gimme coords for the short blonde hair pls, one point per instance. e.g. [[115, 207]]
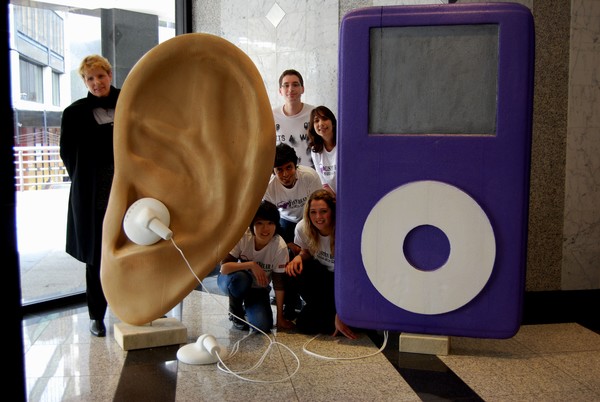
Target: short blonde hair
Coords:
[[94, 61]]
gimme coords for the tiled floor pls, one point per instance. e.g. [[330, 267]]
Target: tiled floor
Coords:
[[552, 362]]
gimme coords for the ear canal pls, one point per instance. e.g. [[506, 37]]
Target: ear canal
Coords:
[[193, 129]]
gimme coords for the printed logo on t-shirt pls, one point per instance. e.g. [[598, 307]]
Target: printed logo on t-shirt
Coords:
[[266, 267], [291, 204], [328, 170], [323, 256]]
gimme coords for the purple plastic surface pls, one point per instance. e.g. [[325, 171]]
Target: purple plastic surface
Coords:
[[492, 169]]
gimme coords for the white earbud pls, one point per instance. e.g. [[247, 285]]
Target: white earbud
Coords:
[[147, 221], [206, 350], [210, 344]]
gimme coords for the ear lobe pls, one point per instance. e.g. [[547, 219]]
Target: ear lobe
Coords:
[[192, 114]]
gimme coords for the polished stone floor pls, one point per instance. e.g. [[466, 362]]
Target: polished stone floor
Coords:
[[542, 362]]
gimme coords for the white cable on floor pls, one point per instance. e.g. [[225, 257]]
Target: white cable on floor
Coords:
[[308, 352], [221, 364], [223, 367]]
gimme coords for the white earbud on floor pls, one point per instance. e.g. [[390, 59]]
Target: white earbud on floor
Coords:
[[206, 350]]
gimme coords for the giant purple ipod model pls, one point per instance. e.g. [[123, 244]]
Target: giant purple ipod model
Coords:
[[434, 139]]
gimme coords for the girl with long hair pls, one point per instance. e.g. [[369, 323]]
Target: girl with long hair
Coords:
[[313, 267]]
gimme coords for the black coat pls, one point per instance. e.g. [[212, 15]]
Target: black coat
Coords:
[[86, 149]]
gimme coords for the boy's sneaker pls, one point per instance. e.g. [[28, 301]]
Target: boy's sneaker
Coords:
[[236, 309], [238, 324]]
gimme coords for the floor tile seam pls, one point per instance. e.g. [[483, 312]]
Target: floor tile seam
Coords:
[[483, 389], [583, 324], [568, 373], [588, 387], [573, 351], [579, 387], [69, 340], [40, 328], [531, 350], [74, 376], [281, 350], [449, 361], [523, 396], [53, 377], [33, 390], [53, 362], [537, 352], [489, 355]]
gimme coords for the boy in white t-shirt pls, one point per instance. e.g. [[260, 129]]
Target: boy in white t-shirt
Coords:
[[292, 119], [289, 188], [259, 257]]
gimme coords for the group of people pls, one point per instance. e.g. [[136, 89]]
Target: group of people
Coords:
[[293, 229], [289, 243], [309, 130]]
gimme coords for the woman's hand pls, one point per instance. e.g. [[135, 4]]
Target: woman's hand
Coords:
[[342, 328], [294, 267]]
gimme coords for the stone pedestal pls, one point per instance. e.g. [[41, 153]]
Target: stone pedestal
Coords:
[[160, 332], [425, 344]]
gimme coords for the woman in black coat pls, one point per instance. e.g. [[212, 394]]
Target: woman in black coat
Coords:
[[86, 148]]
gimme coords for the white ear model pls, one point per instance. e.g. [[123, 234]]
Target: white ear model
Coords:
[[147, 221], [203, 351]]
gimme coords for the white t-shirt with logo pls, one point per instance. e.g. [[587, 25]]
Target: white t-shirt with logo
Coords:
[[323, 255], [272, 258], [290, 201], [291, 130], [325, 165]]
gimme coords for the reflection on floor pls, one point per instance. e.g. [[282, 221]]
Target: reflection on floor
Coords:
[[552, 362]]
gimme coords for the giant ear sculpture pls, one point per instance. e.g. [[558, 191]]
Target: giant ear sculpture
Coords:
[[193, 129]]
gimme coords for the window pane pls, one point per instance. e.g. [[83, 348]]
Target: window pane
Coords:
[[55, 89], [48, 42]]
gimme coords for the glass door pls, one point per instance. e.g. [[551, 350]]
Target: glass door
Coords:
[[47, 41]]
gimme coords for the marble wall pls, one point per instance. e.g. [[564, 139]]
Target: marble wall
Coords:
[[564, 224], [546, 204], [278, 35], [581, 246]]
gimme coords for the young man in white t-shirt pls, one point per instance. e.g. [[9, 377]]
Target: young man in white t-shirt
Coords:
[[292, 119], [246, 272], [289, 189]]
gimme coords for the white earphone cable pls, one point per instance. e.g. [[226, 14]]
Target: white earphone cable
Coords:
[[221, 364]]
